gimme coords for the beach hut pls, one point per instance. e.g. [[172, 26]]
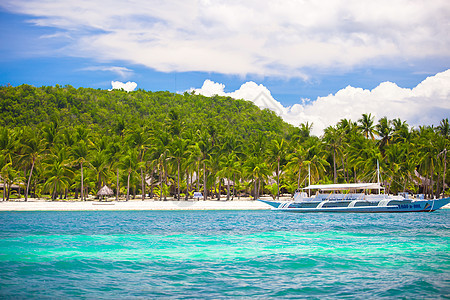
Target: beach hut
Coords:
[[105, 191]]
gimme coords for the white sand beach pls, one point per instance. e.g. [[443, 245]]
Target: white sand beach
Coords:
[[43, 205], [47, 205]]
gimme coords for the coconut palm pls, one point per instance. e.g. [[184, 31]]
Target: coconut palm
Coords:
[[277, 154], [205, 147], [99, 166], [366, 125], [80, 154], [50, 133], [255, 167], [305, 130], [113, 153], [296, 161], [32, 148], [258, 170], [229, 166], [160, 141], [444, 128], [233, 155], [138, 138], [384, 131], [363, 156], [195, 157], [349, 132], [178, 151], [315, 158], [57, 171], [8, 143], [10, 175], [333, 141], [442, 144], [429, 155], [129, 163]]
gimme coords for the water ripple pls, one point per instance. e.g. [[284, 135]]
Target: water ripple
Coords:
[[223, 254]]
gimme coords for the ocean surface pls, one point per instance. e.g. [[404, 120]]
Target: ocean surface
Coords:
[[224, 254]]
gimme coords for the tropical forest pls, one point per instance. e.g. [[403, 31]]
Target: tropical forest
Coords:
[[61, 143]]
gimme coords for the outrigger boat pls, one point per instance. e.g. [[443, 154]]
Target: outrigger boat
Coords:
[[354, 198]]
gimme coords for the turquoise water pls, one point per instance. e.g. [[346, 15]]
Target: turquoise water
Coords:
[[224, 254]]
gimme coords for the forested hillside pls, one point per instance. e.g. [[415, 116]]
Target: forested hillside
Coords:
[[62, 142], [27, 105]]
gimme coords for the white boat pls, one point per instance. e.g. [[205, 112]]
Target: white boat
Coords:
[[355, 198]]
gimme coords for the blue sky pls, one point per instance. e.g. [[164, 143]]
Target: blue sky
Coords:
[[290, 50]]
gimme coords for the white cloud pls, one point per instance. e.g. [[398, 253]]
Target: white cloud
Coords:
[[259, 95], [426, 104], [121, 71], [129, 86], [268, 38], [210, 88], [250, 91]]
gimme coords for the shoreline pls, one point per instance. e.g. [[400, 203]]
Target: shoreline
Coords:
[[45, 205], [135, 205]]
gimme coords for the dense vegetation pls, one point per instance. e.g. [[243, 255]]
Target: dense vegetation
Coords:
[[66, 142]]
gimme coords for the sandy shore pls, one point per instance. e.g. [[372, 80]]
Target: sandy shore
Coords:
[[45, 205], [41, 205]]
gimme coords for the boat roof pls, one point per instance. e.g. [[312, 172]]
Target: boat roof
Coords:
[[344, 186]]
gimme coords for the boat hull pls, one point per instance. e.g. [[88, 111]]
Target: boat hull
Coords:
[[414, 206]]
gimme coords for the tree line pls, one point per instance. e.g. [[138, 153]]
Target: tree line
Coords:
[[62, 142]]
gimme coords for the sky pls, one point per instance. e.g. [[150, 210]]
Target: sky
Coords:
[[309, 61]]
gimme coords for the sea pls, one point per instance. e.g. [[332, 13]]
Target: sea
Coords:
[[224, 255]]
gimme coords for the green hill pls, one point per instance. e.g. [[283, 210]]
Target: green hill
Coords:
[[28, 105]]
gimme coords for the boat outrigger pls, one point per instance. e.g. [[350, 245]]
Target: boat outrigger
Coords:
[[354, 198]]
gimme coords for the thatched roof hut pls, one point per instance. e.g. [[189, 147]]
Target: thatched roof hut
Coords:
[[105, 191]]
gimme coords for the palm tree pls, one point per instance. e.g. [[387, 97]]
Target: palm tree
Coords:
[[129, 163], [305, 130], [113, 152], [277, 153], [228, 166], [99, 164], [232, 157], [363, 156], [444, 131], [80, 155], [384, 131], [444, 128], [139, 139], [8, 144], [315, 158], [205, 149], [333, 140], [258, 170], [50, 133], [57, 171], [255, 167], [160, 141], [9, 175], [428, 153], [349, 132], [296, 160], [178, 151], [32, 148], [366, 125], [401, 132], [195, 157]]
